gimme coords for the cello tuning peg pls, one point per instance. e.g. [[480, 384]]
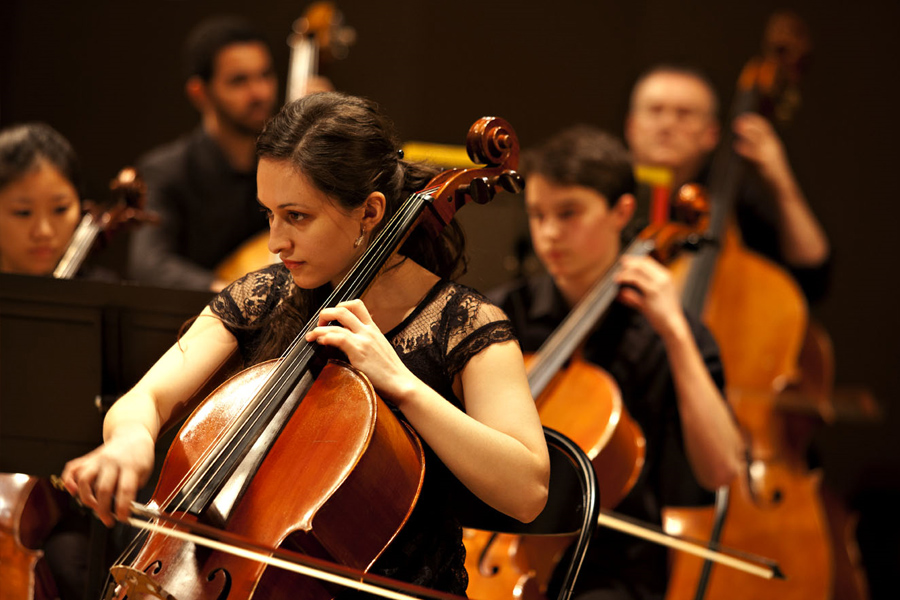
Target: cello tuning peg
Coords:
[[511, 181], [479, 189]]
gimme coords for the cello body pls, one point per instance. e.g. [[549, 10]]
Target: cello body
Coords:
[[334, 450], [584, 401], [29, 511]]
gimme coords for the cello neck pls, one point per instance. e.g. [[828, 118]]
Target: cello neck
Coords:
[[726, 174], [559, 347], [490, 141], [79, 246], [302, 65]]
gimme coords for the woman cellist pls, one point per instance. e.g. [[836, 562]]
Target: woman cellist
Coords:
[[329, 177], [579, 200]]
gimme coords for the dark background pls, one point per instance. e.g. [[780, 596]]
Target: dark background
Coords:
[[107, 75]]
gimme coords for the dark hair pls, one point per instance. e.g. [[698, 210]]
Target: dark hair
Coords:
[[684, 69], [22, 147], [586, 156], [209, 37], [348, 149]]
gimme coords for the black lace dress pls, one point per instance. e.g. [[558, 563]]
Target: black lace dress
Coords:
[[451, 325]]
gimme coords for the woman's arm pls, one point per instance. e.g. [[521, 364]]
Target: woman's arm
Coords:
[[118, 468], [496, 448]]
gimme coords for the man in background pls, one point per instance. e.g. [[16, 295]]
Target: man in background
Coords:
[[673, 123], [203, 185]]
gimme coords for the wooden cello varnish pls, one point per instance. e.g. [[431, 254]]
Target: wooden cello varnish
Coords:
[[758, 316], [292, 454], [584, 402], [29, 509]]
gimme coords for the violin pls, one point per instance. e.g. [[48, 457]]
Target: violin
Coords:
[[129, 197], [265, 426], [758, 315]]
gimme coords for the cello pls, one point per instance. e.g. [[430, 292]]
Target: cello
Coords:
[[29, 510], [582, 401], [758, 315], [270, 424], [129, 197]]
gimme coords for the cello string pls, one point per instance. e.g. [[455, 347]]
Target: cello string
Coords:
[[286, 372]]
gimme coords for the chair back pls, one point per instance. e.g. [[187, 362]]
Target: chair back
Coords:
[[573, 506]]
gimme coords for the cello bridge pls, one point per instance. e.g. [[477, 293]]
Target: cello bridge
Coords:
[[136, 584]]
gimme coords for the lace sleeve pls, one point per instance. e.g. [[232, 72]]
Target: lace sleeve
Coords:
[[473, 324], [252, 296]]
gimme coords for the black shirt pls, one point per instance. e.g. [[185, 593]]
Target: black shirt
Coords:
[[627, 347], [451, 324], [206, 210]]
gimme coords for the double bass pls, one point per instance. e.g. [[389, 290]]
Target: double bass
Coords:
[[759, 318], [269, 425]]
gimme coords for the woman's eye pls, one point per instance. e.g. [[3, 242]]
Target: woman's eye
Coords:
[[22, 214], [296, 216], [61, 210]]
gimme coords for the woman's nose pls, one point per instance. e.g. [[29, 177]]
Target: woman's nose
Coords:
[[43, 228], [278, 241]]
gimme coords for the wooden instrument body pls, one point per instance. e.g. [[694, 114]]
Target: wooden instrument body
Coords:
[[336, 449], [29, 511], [758, 316], [584, 402]]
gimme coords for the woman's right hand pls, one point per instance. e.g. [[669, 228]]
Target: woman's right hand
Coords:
[[112, 473]]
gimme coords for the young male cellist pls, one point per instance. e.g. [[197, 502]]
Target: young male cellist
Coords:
[[579, 200]]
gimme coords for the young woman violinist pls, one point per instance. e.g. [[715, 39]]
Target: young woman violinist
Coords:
[[329, 177], [40, 205]]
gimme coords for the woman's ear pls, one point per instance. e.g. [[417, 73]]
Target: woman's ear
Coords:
[[373, 211]]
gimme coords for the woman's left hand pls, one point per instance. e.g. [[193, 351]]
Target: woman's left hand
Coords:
[[365, 346]]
